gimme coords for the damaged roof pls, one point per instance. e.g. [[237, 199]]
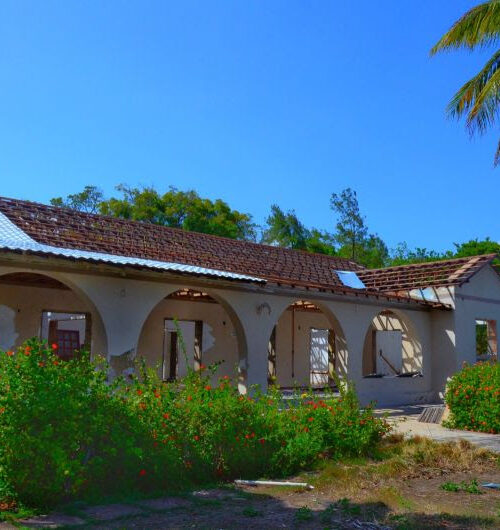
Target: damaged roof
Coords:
[[72, 230], [41, 229], [446, 273]]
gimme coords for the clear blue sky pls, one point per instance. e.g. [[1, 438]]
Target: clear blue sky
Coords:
[[256, 102]]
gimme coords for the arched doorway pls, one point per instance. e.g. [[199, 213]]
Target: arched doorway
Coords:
[[41, 305], [391, 347], [190, 328], [307, 347]]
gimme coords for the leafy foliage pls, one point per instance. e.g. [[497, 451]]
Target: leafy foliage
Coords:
[[478, 98], [88, 200], [473, 397], [285, 230], [66, 433], [351, 228], [175, 208]]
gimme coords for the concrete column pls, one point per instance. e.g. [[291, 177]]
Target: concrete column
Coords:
[[257, 315], [123, 305]]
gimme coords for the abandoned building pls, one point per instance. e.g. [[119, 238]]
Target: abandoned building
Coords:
[[126, 289]]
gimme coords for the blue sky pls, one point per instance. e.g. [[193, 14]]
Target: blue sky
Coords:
[[255, 102]]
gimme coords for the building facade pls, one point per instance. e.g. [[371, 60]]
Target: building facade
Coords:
[[265, 315]]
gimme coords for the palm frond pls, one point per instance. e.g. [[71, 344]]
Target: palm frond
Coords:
[[480, 26], [479, 97], [484, 112], [497, 156]]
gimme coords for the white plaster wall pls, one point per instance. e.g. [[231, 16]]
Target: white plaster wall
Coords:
[[219, 341], [410, 352], [355, 320], [444, 356], [21, 314], [484, 286], [304, 321], [125, 305]]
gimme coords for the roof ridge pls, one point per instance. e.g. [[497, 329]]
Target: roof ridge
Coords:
[[12, 200]]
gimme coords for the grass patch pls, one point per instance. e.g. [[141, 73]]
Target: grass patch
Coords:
[[469, 487], [396, 457], [304, 514], [251, 512]]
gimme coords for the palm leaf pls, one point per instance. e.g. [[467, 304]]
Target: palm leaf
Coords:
[[480, 26], [479, 97]]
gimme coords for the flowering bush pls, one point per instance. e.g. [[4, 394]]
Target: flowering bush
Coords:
[[473, 397], [66, 433]]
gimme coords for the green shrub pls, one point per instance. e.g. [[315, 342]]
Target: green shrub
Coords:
[[66, 433], [473, 397]]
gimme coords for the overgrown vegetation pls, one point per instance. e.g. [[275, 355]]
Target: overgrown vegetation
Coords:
[[66, 433], [473, 397], [187, 210]]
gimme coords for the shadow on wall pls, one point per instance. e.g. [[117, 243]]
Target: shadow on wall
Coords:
[[391, 346], [307, 347], [8, 333]]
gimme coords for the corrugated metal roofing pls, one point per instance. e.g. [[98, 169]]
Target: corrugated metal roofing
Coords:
[[13, 238]]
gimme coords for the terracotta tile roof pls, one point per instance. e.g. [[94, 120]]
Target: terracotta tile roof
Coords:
[[404, 278], [64, 228]]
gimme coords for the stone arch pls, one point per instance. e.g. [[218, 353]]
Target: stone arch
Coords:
[[21, 314], [302, 328], [403, 355], [208, 321]]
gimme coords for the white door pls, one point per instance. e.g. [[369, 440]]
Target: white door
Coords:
[[319, 357], [389, 352]]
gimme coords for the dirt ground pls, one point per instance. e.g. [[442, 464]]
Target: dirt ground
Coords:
[[417, 503], [400, 488]]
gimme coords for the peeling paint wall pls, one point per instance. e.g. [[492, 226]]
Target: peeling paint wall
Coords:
[[219, 338], [21, 313]]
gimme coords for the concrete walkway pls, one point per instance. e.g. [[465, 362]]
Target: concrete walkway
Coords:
[[405, 421]]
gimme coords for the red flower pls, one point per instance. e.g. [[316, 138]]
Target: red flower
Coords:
[[55, 363], [189, 398], [196, 437], [139, 392], [41, 364], [10, 353], [208, 387], [310, 418], [166, 415], [262, 441], [142, 473], [55, 346]]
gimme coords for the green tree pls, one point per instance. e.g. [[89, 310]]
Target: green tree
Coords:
[[475, 247], [403, 255], [175, 208], [478, 99], [321, 242], [88, 200], [285, 230], [351, 228], [373, 253]]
